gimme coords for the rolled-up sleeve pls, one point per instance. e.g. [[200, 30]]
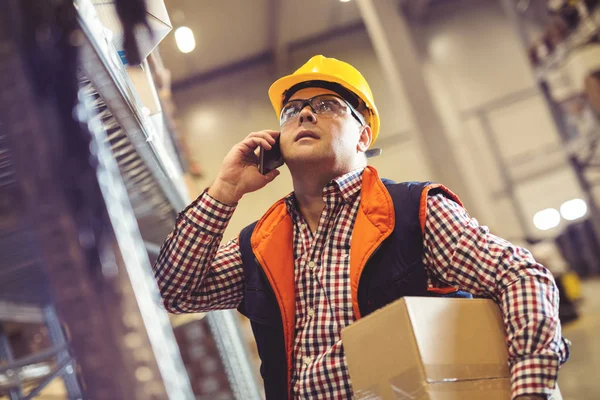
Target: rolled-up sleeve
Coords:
[[194, 271], [460, 252]]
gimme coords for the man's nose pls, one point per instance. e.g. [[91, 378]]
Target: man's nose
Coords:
[[307, 115]]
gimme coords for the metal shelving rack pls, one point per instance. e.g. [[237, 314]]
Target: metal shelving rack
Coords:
[[81, 263], [581, 151], [586, 31]]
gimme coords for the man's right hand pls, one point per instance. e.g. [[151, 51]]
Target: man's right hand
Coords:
[[239, 171]]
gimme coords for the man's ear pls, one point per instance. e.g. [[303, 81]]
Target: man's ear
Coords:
[[365, 139]]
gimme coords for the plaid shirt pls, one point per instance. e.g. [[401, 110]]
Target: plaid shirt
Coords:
[[195, 273]]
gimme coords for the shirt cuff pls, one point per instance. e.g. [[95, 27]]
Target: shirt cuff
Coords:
[[534, 375], [208, 214]]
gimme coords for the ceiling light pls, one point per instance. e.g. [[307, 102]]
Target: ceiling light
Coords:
[[573, 209], [185, 39], [344, 1], [546, 219]]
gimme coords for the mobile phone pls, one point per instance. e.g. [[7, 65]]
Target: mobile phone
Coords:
[[269, 160]]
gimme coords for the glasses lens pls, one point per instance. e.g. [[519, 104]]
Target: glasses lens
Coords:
[[328, 105], [290, 111], [322, 104]]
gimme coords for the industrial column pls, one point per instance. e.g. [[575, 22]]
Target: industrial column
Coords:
[[395, 48]]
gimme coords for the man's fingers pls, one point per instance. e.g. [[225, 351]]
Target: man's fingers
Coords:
[[251, 143], [270, 132], [269, 176], [268, 135]]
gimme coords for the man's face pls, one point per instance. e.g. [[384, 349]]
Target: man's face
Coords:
[[325, 137]]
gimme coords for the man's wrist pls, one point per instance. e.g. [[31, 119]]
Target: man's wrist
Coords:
[[223, 193], [207, 214]]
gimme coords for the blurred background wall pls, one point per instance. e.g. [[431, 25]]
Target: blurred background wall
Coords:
[[474, 65]]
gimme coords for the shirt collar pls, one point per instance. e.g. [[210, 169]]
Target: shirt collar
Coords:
[[347, 186]]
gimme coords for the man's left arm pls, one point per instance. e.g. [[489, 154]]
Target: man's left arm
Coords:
[[460, 252]]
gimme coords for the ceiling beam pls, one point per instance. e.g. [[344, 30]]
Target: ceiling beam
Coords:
[[264, 57]]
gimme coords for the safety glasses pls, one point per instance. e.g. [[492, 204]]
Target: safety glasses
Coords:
[[323, 104]]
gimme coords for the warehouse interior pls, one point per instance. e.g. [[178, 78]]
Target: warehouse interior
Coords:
[[499, 100]]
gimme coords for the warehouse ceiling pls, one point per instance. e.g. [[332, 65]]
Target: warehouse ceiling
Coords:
[[235, 32], [230, 31]]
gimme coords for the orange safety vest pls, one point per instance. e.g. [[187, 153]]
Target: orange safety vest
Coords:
[[386, 249]]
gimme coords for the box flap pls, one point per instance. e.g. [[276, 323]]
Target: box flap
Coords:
[[459, 339], [381, 347], [484, 389]]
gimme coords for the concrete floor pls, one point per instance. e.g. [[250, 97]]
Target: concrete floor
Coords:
[[579, 378]]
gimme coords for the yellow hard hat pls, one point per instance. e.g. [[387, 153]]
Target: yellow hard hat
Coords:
[[320, 68]]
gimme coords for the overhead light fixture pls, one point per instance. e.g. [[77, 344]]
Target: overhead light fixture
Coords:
[[546, 219], [184, 37], [344, 1], [573, 209]]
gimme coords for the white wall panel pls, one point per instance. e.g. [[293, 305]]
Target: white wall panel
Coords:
[[524, 127]]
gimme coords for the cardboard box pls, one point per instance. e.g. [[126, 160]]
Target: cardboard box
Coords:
[[430, 349]]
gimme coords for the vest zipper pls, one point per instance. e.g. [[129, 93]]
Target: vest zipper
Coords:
[[370, 258]]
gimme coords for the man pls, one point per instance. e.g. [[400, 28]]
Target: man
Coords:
[[344, 244]]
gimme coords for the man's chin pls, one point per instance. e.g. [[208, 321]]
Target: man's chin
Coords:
[[304, 156]]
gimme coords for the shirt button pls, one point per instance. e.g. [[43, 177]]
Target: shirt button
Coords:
[[306, 360], [311, 265], [551, 383], [311, 312]]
